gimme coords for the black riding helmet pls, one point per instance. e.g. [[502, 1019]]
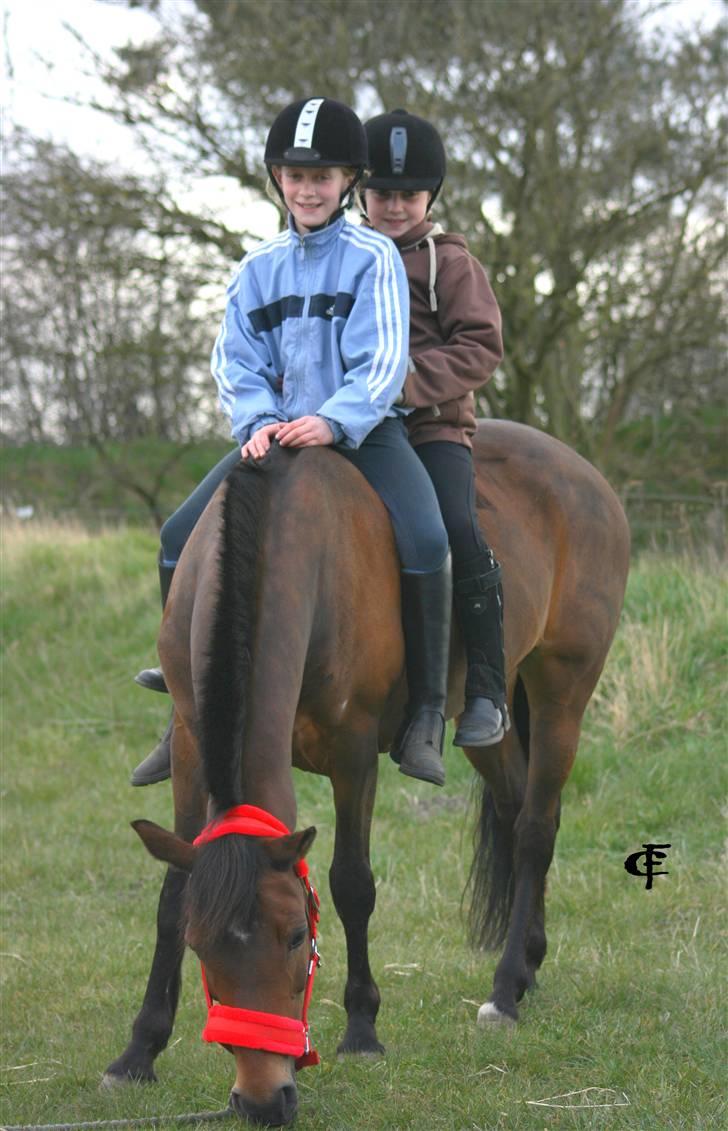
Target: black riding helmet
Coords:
[[317, 133], [406, 154]]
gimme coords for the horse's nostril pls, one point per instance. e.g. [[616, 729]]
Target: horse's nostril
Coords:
[[278, 1112], [289, 1098]]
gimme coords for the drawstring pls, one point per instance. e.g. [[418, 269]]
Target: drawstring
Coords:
[[433, 271], [435, 230]]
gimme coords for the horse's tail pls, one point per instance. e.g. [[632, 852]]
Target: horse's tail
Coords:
[[226, 675], [490, 882]]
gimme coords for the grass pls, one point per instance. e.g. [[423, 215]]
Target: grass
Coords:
[[629, 1010], [73, 480]]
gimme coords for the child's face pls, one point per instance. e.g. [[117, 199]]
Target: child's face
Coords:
[[395, 213], [311, 195]]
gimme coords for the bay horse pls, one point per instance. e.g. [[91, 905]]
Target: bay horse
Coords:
[[281, 645]]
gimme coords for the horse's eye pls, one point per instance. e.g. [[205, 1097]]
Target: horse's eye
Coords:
[[297, 939]]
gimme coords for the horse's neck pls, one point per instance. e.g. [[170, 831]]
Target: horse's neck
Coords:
[[285, 609]]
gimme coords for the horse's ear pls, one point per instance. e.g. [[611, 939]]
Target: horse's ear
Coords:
[[165, 846], [285, 851]]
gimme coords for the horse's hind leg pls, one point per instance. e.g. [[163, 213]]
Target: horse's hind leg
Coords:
[[555, 723], [354, 781], [153, 1024], [504, 770], [536, 943]]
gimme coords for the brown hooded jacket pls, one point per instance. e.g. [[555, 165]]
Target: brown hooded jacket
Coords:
[[455, 334]]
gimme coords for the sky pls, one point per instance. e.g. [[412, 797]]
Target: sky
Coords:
[[41, 63]]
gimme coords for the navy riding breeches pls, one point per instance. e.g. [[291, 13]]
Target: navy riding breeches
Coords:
[[388, 462], [450, 467]]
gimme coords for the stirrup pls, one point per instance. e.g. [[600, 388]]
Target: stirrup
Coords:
[[482, 723], [152, 679]]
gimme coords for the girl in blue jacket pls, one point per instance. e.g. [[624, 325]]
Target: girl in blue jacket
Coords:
[[313, 350]]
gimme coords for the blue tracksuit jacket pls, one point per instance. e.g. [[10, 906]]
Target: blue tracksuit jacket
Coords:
[[315, 324]]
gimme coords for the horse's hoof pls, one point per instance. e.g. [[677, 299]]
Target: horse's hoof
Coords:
[[110, 1081], [360, 1046], [364, 1054], [489, 1014]]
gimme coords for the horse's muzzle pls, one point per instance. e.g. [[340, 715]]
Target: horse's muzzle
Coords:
[[279, 1111]]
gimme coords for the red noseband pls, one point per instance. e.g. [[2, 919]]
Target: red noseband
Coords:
[[249, 1028]]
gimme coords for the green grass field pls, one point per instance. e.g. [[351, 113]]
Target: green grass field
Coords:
[[630, 1007]]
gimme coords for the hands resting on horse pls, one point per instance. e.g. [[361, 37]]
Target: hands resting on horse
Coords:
[[306, 432]]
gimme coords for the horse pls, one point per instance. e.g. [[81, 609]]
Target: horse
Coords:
[[281, 645]]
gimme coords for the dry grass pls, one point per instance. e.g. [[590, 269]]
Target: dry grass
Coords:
[[17, 535]]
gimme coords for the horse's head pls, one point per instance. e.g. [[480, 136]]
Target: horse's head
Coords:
[[250, 917]]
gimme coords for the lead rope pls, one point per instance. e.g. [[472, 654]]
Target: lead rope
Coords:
[[147, 1121]]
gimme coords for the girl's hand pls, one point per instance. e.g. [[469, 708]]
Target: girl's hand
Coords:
[[259, 443], [306, 432]]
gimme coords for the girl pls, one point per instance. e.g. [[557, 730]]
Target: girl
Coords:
[[313, 351], [455, 346]]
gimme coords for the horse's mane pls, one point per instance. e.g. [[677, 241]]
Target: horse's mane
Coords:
[[225, 680], [221, 893]]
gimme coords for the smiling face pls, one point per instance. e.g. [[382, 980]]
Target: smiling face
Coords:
[[311, 195], [396, 213]]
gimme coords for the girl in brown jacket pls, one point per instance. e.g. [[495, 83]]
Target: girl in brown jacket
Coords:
[[455, 346]]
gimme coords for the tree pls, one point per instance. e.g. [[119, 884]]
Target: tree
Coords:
[[586, 163], [106, 305]]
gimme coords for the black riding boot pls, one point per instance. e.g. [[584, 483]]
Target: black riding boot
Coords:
[[426, 613], [157, 765], [153, 678], [479, 605]]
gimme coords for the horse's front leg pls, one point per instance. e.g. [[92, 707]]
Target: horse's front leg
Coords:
[[153, 1024], [354, 781]]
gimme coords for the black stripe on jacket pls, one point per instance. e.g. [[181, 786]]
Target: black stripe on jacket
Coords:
[[331, 306], [270, 316], [266, 318]]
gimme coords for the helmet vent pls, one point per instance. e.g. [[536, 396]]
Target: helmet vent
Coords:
[[306, 124], [398, 148]]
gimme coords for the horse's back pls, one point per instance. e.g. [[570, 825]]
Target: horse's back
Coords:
[[329, 573], [333, 523], [562, 537]]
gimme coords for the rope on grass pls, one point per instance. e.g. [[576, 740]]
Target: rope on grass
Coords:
[[102, 1124]]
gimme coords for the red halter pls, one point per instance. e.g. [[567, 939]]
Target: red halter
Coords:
[[249, 1028]]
